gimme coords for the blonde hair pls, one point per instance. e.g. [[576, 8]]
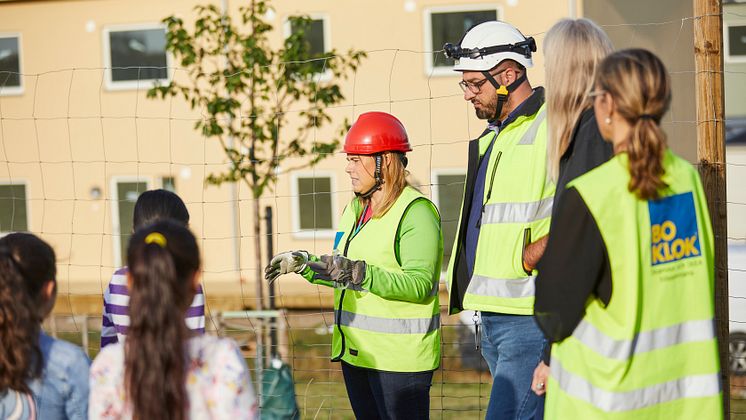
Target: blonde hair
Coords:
[[640, 86], [394, 182], [573, 50]]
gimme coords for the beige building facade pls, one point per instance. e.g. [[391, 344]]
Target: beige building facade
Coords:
[[81, 140], [734, 39]]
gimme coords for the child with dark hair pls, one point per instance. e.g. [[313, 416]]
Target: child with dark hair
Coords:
[[163, 370], [151, 206], [40, 377]]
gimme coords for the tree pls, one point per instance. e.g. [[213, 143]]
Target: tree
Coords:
[[244, 87]]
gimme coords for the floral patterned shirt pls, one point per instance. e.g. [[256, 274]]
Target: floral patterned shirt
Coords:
[[218, 382]]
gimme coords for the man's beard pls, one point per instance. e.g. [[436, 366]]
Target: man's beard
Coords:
[[487, 112]]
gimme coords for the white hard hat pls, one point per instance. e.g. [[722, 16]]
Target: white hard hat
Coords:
[[488, 44]]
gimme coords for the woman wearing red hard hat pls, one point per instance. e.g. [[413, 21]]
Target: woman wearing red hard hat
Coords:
[[385, 268]]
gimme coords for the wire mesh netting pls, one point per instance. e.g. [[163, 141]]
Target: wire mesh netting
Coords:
[[77, 151]]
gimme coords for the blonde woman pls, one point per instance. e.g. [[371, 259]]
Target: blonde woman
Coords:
[[573, 50], [385, 269]]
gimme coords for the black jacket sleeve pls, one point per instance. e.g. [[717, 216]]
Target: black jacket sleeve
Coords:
[[587, 150], [575, 266]]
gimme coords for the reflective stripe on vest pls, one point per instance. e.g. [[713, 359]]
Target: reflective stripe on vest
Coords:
[[685, 332], [504, 288], [517, 212], [693, 386], [530, 135], [390, 325]]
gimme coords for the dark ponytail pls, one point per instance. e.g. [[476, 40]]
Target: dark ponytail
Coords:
[[26, 264], [638, 82], [162, 259]]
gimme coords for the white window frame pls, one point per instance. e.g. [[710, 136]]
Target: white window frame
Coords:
[[435, 189], [25, 183], [111, 85], [15, 90], [324, 18], [295, 205], [115, 227], [726, 42], [428, 33]]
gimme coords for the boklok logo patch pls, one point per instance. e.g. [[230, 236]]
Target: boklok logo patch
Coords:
[[673, 227]]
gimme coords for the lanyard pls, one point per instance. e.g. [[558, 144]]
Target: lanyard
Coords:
[[361, 221]]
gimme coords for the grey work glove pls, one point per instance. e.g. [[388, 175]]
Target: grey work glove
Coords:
[[341, 270], [286, 262]]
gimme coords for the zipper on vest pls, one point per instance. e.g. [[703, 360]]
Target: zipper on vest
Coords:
[[338, 357], [489, 191], [526, 243]]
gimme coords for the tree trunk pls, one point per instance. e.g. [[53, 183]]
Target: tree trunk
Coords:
[[258, 257], [259, 305], [255, 187]]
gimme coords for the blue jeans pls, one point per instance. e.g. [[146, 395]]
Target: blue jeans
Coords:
[[512, 346], [376, 394]]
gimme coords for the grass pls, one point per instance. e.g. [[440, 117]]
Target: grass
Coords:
[[457, 392], [737, 409]]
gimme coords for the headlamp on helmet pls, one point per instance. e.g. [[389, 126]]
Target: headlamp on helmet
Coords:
[[456, 52]]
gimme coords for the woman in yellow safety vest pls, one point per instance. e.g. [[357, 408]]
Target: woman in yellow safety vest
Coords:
[[385, 269], [625, 287]]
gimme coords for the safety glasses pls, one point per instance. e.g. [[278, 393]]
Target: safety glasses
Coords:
[[475, 87]]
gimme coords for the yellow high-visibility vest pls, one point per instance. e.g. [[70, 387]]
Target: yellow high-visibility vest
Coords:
[[517, 207], [374, 332], [652, 352]]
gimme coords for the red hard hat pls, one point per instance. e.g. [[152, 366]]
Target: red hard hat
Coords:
[[376, 132]]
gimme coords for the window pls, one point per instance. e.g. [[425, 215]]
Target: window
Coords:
[[449, 24], [316, 35], [313, 206], [735, 43], [126, 193], [448, 191], [13, 212], [134, 55], [168, 183], [10, 65]]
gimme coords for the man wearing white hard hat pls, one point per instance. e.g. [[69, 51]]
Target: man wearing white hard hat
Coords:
[[506, 211]]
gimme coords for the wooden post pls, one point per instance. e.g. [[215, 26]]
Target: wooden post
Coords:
[[708, 62]]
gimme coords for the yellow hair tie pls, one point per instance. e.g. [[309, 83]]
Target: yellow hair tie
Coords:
[[156, 238]]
